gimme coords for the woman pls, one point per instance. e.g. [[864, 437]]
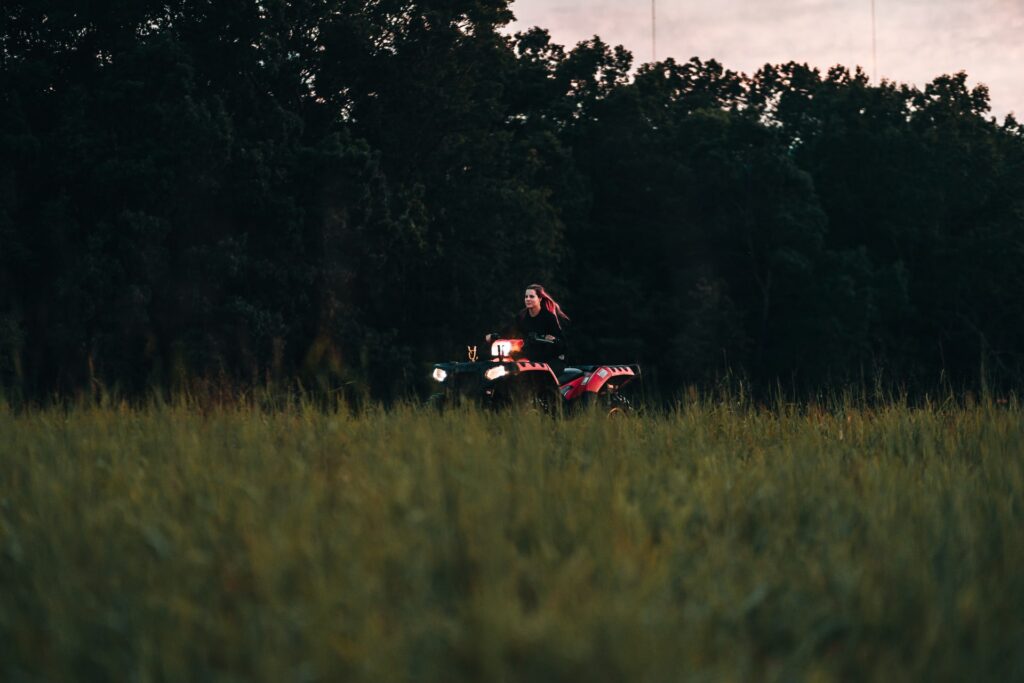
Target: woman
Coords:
[[540, 324]]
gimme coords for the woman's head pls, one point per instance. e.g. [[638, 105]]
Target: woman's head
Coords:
[[536, 297]]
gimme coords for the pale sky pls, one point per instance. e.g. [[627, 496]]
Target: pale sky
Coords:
[[916, 39]]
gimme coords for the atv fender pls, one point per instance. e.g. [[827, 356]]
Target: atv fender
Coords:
[[526, 366], [603, 378]]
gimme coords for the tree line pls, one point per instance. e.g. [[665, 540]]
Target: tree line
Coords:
[[339, 192]]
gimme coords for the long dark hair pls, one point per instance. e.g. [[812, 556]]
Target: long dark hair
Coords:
[[549, 303]]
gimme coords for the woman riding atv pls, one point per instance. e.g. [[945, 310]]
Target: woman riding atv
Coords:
[[534, 373], [539, 324]]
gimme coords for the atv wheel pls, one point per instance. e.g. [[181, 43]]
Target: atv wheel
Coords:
[[616, 405], [608, 403], [548, 401]]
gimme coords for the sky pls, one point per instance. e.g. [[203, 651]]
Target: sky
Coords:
[[916, 40]]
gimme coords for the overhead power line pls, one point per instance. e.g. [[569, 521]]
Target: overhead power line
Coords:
[[654, 34], [874, 45]]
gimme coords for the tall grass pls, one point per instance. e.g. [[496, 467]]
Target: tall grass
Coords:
[[710, 543]]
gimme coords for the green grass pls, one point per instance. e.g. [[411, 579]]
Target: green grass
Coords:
[[713, 543]]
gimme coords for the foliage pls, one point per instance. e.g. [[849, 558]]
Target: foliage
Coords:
[[339, 192]]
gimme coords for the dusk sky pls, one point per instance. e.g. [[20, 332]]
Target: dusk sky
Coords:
[[917, 39]]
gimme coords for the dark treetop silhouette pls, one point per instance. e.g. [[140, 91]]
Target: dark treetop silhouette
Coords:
[[339, 191]]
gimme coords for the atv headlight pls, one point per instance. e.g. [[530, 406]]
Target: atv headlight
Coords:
[[506, 348], [501, 348], [439, 374], [496, 372]]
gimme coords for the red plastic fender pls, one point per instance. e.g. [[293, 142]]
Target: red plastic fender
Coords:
[[601, 375], [530, 366], [573, 388]]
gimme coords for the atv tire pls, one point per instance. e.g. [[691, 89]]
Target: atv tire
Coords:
[[609, 403], [548, 401], [616, 405]]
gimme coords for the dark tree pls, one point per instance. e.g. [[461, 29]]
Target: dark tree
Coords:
[[338, 192]]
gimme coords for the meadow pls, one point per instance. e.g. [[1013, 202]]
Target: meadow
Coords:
[[718, 541]]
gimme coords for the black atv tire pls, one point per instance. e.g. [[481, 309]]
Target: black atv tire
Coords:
[[548, 401], [531, 394], [609, 403], [615, 404]]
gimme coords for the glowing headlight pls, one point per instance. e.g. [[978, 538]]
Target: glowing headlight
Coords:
[[501, 348], [439, 374], [496, 372]]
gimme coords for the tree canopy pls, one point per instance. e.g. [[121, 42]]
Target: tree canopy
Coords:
[[340, 191]]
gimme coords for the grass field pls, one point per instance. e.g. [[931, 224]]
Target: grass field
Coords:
[[716, 542]]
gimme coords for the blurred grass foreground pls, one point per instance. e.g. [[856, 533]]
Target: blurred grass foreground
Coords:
[[713, 542]]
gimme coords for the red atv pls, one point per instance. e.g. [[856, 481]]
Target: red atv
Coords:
[[508, 377]]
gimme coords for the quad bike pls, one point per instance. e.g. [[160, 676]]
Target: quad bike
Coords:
[[509, 377]]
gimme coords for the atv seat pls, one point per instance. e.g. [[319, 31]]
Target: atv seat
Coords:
[[568, 375]]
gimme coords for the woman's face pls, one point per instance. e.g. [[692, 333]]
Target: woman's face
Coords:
[[532, 301]]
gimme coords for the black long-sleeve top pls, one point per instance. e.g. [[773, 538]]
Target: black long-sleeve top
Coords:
[[526, 326]]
